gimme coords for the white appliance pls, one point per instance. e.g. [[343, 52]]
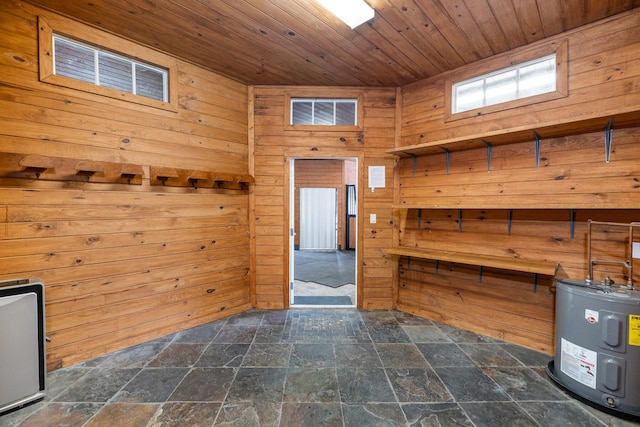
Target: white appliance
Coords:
[[22, 343]]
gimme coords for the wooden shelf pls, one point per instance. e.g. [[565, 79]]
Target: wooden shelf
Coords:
[[542, 267], [517, 135]]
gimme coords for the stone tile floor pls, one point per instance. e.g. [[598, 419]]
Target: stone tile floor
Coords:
[[311, 368]]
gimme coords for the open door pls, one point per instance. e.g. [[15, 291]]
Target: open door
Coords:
[[292, 232], [322, 268]]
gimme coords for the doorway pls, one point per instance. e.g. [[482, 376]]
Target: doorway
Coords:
[[322, 253]]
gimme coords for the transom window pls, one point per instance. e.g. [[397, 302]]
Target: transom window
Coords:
[[103, 68], [324, 112], [508, 84]]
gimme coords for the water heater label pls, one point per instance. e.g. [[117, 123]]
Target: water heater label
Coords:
[[578, 363], [634, 329], [591, 316]]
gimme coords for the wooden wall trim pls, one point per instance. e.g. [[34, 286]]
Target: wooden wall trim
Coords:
[[252, 203]]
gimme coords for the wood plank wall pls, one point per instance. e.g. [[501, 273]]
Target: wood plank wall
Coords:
[[275, 145], [122, 263], [603, 80], [467, 209]]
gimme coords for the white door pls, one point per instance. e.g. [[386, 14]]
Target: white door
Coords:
[[318, 218]]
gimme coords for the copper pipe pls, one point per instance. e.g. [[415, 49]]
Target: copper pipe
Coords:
[[627, 264]]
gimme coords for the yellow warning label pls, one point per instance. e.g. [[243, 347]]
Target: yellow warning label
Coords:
[[634, 329]]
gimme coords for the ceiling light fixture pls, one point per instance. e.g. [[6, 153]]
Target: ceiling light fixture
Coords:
[[351, 12]]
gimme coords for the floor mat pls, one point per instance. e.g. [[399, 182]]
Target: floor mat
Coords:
[[322, 300], [335, 268]]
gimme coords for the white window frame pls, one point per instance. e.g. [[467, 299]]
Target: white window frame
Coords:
[[483, 78], [334, 101], [498, 63]]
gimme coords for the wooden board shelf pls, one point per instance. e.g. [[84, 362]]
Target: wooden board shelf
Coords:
[[514, 264], [517, 135]]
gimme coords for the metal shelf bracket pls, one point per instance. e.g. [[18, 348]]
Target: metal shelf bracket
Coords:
[[413, 164], [537, 141], [489, 150], [447, 154], [608, 134]]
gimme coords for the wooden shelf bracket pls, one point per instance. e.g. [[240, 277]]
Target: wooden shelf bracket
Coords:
[[131, 172], [36, 164], [163, 175], [245, 181], [88, 169], [196, 176]]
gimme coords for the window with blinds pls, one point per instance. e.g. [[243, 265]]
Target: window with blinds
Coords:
[[324, 112], [103, 68]]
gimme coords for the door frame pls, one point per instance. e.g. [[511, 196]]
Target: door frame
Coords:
[[358, 158]]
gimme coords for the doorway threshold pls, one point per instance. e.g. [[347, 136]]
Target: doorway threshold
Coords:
[[323, 300]]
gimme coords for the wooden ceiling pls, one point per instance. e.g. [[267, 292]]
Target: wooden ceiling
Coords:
[[297, 42]]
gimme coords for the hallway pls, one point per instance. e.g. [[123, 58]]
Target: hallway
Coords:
[[325, 278], [311, 368]]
